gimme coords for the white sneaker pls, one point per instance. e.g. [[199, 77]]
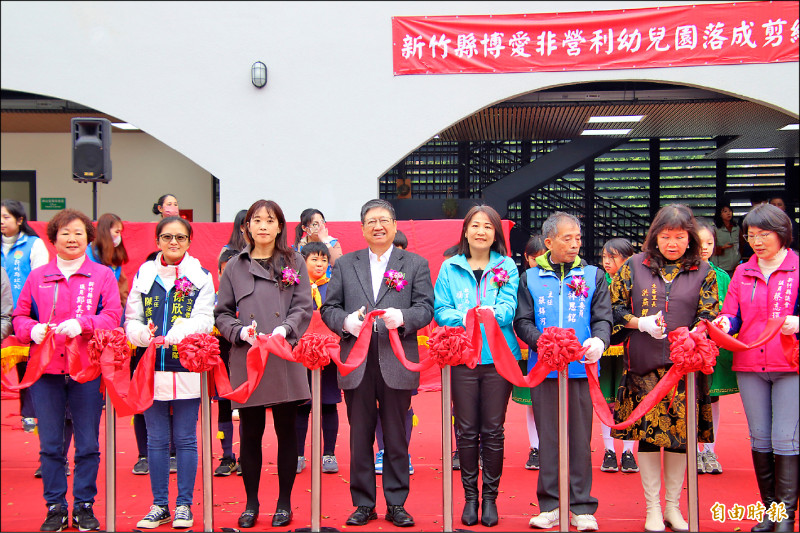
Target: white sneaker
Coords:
[[584, 522], [545, 520]]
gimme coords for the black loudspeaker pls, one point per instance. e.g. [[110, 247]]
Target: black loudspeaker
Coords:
[[91, 150]]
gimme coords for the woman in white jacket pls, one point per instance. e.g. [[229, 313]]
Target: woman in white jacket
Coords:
[[171, 296]]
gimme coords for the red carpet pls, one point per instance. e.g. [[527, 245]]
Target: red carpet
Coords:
[[621, 500]]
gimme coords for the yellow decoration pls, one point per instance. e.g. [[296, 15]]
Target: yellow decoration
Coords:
[[220, 435], [524, 352], [414, 421], [11, 355], [422, 340]]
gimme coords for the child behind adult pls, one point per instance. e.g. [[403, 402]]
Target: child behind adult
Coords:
[[227, 463], [615, 252], [317, 257], [522, 395]]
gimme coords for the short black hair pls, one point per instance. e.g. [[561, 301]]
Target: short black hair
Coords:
[[377, 204], [535, 245], [770, 218], [226, 255], [314, 248], [400, 240]]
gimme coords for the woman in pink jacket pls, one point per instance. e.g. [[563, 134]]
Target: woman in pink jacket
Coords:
[[766, 287], [75, 296]]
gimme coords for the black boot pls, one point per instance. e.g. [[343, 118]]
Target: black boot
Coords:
[[470, 515], [764, 464], [468, 456], [786, 479], [492, 468]]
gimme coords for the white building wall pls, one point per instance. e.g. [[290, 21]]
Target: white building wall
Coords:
[[332, 117], [142, 170]]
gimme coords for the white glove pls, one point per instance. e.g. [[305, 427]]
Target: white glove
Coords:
[[280, 330], [392, 318], [247, 334], [138, 334], [596, 348], [175, 335], [649, 324], [723, 322], [353, 322], [790, 325], [38, 332], [71, 328]]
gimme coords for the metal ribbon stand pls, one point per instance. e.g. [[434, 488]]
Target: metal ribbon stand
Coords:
[[316, 449], [691, 452], [111, 466], [205, 432], [563, 453], [447, 453]]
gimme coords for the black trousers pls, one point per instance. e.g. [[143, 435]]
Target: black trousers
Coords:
[[370, 400], [480, 401], [545, 412]]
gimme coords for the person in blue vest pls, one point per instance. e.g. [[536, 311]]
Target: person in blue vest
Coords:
[[171, 296], [563, 291], [23, 251], [480, 274]]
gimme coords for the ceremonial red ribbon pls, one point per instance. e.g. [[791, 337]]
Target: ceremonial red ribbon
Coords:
[[449, 346], [789, 343], [554, 348], [38, 360], [689, 351]]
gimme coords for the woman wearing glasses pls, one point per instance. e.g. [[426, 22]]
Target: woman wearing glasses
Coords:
[[766, 287], [312, 228], [171, 296]]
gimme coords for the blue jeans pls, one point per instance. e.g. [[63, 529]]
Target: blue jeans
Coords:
[[770, 404], [184, 426], [52, 393]]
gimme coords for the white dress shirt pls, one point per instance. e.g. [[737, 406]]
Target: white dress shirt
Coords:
[[377, 268]]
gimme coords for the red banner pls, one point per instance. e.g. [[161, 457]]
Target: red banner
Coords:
[[671, 36]]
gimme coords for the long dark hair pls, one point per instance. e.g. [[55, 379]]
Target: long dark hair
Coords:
[[305, 219], [105, 251], [17, 210], [619, 245], [499, 244], [718, 222], [237, 242], [673, 216], [283, 255]]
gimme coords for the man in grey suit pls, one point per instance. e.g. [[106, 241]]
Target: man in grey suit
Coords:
[[380, 386]]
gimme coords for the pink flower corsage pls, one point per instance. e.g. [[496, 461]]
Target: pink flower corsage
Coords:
[[578, 286], [289, 277], [500, 277], [183, 286], [395, 280]]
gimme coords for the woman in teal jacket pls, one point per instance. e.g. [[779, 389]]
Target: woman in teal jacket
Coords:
[[480, 274]]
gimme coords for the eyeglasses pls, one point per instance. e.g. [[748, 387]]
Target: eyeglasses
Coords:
[[761, 237], [316, 225], [167, 237], [372, 222]]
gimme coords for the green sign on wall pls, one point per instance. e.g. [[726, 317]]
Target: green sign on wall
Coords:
[[53, 203]]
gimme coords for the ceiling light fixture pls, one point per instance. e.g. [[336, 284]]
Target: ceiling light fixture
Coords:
[[790, 127], [618, 118], [606, 132], [749, 150], [258, 74], [124, 126]]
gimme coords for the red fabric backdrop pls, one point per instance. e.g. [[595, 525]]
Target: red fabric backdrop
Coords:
[[428, 238]]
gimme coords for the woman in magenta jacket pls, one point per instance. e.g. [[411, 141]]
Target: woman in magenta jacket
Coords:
[[75, 296], [766, 287]]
